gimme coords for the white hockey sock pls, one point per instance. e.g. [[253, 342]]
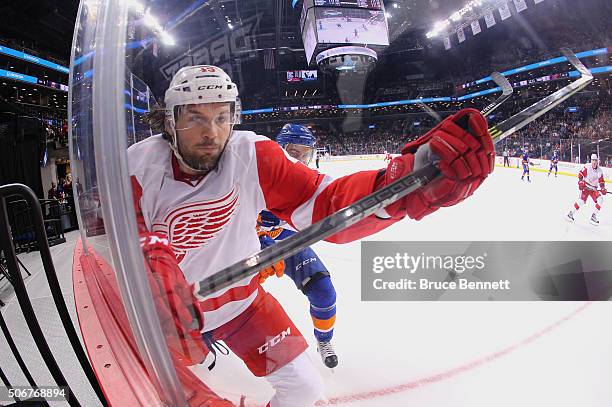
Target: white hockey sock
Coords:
[[297, 384]]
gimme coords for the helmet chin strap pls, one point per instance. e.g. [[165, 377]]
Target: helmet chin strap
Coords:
[[183, 163]]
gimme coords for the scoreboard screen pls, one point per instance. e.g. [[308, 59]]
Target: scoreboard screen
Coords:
[[51, 84], [351, 26], [329, 23], [301, 76], [369, 4]]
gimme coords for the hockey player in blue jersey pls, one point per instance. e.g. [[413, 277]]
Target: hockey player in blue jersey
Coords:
[[554, 160], [525, 163], [305, 268]]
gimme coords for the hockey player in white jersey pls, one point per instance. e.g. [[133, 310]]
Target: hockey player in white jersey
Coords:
[[199, 187], [591, 184]]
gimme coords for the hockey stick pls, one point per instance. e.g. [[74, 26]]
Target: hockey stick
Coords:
[[499, 79], [526, 116], [383, 197], [432, 113]]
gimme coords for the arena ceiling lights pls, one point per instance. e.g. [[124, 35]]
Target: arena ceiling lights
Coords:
[[151, 21], [454, 17]]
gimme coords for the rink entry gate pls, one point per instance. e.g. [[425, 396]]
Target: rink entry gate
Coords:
[[12, 273]]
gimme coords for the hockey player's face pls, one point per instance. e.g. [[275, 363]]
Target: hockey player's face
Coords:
[[202, 131], [300, 152]]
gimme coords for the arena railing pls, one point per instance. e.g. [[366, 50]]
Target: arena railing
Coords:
[[16, 280]]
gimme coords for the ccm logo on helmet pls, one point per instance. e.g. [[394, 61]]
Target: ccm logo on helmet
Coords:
[[274, 341], [211, 87]]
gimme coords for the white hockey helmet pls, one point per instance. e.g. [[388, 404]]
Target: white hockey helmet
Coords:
[[594, 157], [199, 84]]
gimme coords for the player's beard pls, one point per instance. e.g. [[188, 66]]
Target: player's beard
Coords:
[[202, 161]]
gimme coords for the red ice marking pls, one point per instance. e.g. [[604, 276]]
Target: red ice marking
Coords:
[[448, 374]]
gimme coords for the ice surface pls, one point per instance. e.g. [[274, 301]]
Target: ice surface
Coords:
[[438, 354]]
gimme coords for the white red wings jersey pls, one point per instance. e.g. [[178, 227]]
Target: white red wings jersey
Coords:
[[211, 221], [592, 176]]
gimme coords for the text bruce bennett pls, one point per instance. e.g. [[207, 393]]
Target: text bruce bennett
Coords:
[[412, 263]]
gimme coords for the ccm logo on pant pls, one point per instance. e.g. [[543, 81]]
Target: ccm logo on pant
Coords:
[[274, 341]]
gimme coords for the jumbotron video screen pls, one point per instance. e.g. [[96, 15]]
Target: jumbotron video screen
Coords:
[[328, 22], [351, 26]]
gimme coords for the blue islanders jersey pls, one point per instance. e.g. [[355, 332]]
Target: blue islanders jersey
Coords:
[[555, 158], [525, 163], [302, 265]]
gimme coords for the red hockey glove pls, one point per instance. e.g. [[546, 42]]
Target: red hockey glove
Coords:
[[179, 312], [464, 148], [582, 185], [603, 191]]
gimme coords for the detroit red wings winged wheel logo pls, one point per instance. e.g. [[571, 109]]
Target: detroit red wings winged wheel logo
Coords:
[[192, 225]]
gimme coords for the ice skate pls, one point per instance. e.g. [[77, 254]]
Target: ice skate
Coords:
[[594, 220], [569, 217], [328, 355]]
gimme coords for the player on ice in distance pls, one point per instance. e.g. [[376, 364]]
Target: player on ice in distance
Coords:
[[591, 184], [554, 161], [388, 157], [506, 155], [199, 186], [305, 268], [525, 162]]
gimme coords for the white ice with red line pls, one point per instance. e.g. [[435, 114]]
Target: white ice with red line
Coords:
[[460, 354]]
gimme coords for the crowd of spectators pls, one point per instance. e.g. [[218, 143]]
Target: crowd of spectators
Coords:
[[583, 120], [564, 129], [561, 129], [548, 25], [380, 136], [62, 191]]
